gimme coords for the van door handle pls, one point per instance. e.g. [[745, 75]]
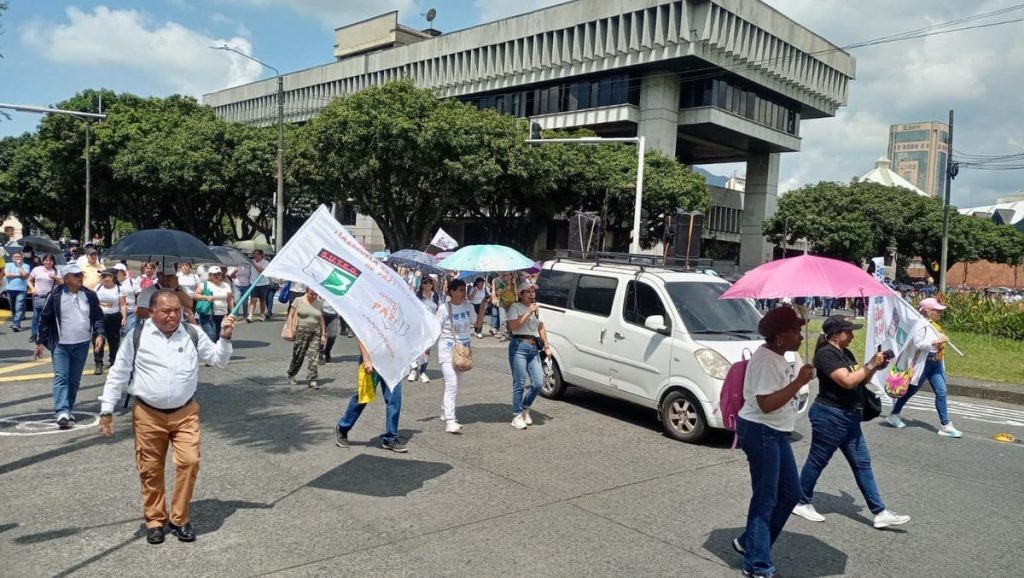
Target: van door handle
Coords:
[[603, 333], [619, 336]]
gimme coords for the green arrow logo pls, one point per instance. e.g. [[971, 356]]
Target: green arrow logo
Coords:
[[338, 282]]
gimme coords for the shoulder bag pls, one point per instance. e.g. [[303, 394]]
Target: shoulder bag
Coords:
[[462, 355], [872, 406], [205, 307], [288, 330]]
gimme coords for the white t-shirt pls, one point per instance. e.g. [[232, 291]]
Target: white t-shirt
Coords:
[[188, 282], [110, 299], [767, 373], [129, 289], [220, 296], [532, 325], [477, 296], [262, 265], [74, 318], [430, 302], [463, 315], [242, 275]]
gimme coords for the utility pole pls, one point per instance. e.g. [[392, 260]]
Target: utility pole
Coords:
[[951, 170]]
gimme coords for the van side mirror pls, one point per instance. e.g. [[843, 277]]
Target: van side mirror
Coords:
[[656, 323]]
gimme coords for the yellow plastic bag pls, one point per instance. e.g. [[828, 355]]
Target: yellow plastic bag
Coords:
[[367, 390]]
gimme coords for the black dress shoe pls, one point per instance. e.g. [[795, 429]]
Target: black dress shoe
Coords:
[[155, 535], [185, 533]]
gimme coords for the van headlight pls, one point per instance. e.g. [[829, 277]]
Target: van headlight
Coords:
[[712, 362]]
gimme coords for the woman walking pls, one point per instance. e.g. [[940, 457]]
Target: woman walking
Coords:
[[115, 315], [477, 295], [934, 371], [528, 337], [836, 416], [432, 300], [130, 289], [187, 279], [218, 293], [767, 417], [306, 313], [457, 318], [41, 280]]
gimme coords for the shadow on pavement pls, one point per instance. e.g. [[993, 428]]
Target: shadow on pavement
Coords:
[[5, 527], [49, 396], [844, 505], [247, 344], [492, 413], [379, 477], [795, 555], [90, 439]]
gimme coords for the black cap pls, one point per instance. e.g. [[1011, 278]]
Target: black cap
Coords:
[[838, 323]]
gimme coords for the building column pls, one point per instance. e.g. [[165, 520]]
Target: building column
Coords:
[[760, 199], [659, 111]]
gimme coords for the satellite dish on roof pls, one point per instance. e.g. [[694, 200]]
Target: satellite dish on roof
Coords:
[[431, 14]]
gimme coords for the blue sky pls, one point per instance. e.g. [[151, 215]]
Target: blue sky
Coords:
[[54, 48]]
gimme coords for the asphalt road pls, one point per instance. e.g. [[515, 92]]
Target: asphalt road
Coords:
[[593, 488]]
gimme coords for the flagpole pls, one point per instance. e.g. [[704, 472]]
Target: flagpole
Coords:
[[245, 296]]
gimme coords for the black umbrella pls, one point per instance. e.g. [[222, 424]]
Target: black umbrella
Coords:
[[40, 245], [415, 260], [161, 245], [230, 256]]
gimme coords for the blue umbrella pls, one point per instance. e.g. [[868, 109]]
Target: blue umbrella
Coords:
[[382, 255], [415, 260], [486, 258]]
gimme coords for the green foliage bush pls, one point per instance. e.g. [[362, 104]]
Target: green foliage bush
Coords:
[[978, 314]]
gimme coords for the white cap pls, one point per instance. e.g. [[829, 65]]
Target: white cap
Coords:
[[72, 269], [214, 270], [120, 267]]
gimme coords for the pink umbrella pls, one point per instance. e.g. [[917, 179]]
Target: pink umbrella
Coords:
[[805, 276]]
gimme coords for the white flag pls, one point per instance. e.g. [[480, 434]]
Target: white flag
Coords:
[[444, 241], [394, 326], [892, 324]]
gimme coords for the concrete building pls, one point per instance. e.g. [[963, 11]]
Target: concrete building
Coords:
[[919, 152], [708, 81]]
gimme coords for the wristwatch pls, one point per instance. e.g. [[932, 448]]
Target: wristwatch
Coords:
[[106, 414]]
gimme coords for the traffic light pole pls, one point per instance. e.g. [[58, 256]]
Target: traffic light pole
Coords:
[[641, 146]]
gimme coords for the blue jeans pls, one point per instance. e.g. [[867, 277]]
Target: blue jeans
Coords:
[[393, 401], [129, 325], [211, 325], [827, 305], [270, 290], [68, 363], [833, 428], [935, 373], [524, 359], [776, 490], [17, 300], [37, 311], [245, 304]]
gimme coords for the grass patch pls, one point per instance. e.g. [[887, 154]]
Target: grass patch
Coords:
[[985, 358]]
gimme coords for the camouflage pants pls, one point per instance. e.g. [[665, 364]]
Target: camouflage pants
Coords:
[[307, 345]]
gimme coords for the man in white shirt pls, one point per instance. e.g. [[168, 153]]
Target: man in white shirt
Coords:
[[162, 376], [260, 293]]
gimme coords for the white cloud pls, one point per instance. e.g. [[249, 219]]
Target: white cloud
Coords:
[[496, 9], [979, 73], [335, 13], [178, 57]]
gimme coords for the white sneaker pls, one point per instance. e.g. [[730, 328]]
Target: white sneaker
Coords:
[[479, 335], [895, 421], [518, 422], [885, 518], [412, 376], [424, 378], [949, 431], [453, 427], [526, 417], [807, 512]]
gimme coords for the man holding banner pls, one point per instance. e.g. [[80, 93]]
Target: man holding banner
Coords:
[[392, 325]]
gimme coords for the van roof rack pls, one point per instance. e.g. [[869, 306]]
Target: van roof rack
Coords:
[[634, 260]]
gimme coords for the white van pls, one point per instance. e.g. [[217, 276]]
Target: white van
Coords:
[[652, 336]]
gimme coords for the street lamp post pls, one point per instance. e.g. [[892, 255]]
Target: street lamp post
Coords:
[[84, 117], [641, 145], [279, 199]]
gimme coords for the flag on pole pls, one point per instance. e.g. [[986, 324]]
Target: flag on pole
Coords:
[[383, 312], [444, 241]]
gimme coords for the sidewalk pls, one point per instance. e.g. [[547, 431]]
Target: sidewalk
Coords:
[[1005, 392]]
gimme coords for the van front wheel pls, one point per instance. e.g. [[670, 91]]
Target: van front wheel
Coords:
[[682, 418]]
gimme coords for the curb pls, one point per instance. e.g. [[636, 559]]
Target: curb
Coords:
[[989, 392]]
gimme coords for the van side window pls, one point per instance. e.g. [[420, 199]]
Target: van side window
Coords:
[[642, 301], [554, 287], [595, 295]]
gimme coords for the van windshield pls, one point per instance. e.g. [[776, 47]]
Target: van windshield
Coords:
[[703, 313]]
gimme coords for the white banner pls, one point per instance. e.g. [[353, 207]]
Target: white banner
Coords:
[[376, 303], [892, 324], [443, 240]]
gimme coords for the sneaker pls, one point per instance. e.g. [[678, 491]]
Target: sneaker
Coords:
[[807, 512], [99, 369], [340, 439], [15, 329], [949, 431], [291, 380], [518, 422], [453, 427], [479, 335], [412, 376], [394, 445], [738, 547], [313, 384], [248, 319], [746, 572], [526, 416], [885, 518], [62, 421], [424, 378], [895, 421], [72, 418]]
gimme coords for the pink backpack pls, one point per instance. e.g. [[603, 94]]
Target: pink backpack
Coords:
[[730, 401]]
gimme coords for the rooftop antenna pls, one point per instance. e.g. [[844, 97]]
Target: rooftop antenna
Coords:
[[430, 15]]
